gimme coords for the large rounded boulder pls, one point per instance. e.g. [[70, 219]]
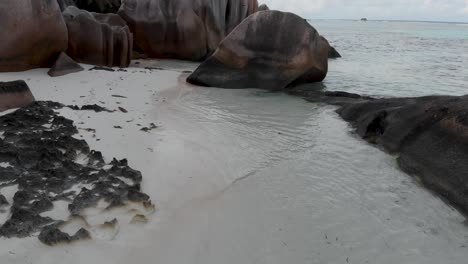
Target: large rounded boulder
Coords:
[[183, 29], [98, 39], [270, 50], [33, 33]]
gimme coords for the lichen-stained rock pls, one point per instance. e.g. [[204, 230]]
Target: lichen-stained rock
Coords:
[[14, 94], [98, 39], [183, 29], [32, 34], [63, 66], [270, 50]]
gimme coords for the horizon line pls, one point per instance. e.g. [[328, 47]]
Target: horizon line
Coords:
[[394, 20]]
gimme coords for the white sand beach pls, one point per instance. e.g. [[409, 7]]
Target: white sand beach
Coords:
[[238, 179]]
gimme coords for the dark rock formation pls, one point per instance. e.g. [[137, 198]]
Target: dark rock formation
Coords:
[[66, 3], [263, 7], [99, 39], [99, 6], [41, 148], [333, 53], [14, 94], [32, 34], [52, 235], [63, 66], [430, 135], [270, 50], [183, 29]]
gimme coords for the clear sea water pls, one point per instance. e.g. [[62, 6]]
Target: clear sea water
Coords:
[[397, 58]]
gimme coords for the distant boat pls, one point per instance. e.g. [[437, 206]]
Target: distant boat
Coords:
[[363, 19]]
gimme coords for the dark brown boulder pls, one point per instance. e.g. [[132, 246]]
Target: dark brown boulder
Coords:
[[270, 50], [14, 94], [32, 34], [428, 134], [63, 66], [183, 29], [263, 7], [98, 39]]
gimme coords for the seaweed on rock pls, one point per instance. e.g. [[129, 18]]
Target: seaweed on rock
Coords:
[[48, 164]]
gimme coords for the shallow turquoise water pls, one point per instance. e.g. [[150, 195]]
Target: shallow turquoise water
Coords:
[[397, 58]]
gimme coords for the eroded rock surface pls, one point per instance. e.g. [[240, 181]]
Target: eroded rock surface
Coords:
[[430, 135], [32, 34], [183, 29], [14, 94], [98, 39], [270, 50], [48, 164]]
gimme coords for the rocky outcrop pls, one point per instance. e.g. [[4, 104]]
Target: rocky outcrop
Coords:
[[32, 34], [98, 39], [63, 66], [183, 29], [14, 94], [270, 50], [263, 7], [429, 135]]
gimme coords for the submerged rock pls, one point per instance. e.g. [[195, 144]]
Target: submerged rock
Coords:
[[99, 39], [270, 50], [43, 153], [14, 94], [63, 66], [183, 29], [32, 34], [430, 135]]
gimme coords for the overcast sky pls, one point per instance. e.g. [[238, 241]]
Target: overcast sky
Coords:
[[428, 10]]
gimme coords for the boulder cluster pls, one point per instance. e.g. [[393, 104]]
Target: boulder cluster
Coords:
[[241, 43]]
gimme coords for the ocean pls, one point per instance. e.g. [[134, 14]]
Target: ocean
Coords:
[[392, 58]]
